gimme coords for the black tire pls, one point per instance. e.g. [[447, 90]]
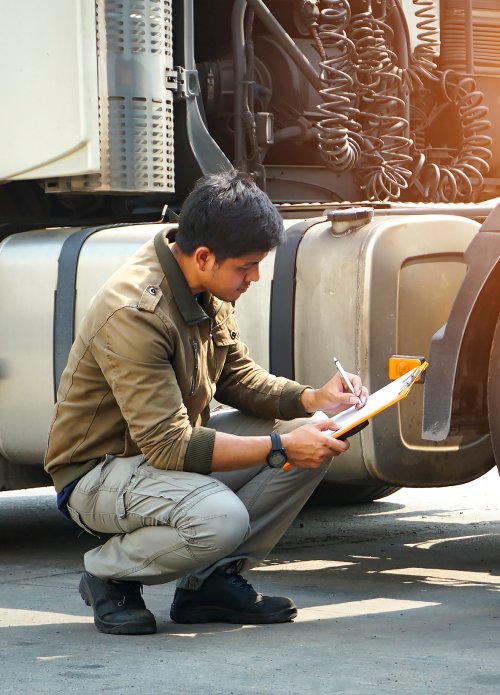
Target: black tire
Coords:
[[494, 394], [338, 495]]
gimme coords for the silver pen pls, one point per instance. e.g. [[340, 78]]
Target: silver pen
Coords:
[[344, 376]]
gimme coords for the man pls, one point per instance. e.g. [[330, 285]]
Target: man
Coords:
[[133, 450]]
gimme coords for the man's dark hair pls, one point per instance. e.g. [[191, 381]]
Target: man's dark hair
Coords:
[[229, 214]]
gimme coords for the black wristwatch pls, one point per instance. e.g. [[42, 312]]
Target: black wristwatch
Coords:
[[277, 456]]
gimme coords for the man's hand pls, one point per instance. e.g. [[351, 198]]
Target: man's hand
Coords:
[[334, 396], [308, 447]]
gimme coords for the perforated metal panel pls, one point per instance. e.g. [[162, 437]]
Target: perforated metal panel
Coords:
[[134, 48]]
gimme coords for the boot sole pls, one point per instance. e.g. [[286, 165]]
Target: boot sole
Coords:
[[210, 614], [131, 628]]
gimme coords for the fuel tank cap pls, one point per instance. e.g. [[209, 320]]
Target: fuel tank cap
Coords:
[[347, 220]]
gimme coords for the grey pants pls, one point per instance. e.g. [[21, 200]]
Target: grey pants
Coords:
[[171, 524]]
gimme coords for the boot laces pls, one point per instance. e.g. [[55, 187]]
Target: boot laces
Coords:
[[241, 582], [131, 594]]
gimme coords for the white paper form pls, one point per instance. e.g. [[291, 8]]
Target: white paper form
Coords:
[[378, 401]]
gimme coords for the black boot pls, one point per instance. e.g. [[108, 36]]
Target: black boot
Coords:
[[118, 606], [225, 597]]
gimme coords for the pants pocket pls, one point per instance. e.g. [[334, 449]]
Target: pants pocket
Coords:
[[96, 503], [77, 518], [155, 497]]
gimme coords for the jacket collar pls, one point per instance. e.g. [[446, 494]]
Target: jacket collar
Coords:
[[186, 302]]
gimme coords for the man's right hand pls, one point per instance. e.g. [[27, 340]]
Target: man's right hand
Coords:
[[308, 447]]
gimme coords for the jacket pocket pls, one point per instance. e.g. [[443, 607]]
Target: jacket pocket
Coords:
[[225, 336], [227, 333], [194, 378]]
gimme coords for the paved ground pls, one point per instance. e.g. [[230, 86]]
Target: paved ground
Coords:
[[400, 596]]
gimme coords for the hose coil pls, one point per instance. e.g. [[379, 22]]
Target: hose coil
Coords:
[[384, 166], [457, 180], [426, 51], [340, 140]]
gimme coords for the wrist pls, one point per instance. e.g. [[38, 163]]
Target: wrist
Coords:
[[308, 400], [285, 439], [277, 456]]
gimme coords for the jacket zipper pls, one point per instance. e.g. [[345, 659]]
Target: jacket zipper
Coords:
[[194, 346]]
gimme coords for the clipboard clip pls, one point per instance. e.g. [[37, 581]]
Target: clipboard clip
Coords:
[[412, 376]]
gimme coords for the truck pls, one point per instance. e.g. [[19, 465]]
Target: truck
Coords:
[[373, 126]]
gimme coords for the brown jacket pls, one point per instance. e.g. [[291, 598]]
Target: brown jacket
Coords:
[[146, 362]]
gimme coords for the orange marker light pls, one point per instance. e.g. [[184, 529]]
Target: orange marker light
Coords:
[[400, 364]]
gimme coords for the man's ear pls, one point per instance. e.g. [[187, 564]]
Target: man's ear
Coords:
[[202, 257]]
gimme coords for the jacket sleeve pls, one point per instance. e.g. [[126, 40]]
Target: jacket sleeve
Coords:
[[133, 349], [244, 385]]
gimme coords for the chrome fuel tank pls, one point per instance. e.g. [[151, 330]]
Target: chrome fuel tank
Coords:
[[363, 295], [29, 265]]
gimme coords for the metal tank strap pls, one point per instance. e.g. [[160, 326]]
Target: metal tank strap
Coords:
[[282, 310], [65, 297]]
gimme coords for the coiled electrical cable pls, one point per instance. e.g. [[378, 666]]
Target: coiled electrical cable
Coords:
[[384, 165], [340, 140], [459, 178], [427, 49]]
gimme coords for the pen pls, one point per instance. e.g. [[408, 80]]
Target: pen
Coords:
[[344, 376]]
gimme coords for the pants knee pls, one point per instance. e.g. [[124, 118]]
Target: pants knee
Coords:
[[219, 522]]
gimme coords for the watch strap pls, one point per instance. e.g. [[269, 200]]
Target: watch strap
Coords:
[[276, 443], [277, 456]]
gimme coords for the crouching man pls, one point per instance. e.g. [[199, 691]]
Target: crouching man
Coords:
[[133, 450]]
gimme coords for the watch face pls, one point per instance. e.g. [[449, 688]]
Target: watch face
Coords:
[[276, 459]]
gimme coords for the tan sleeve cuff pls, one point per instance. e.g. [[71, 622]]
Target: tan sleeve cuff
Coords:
[[290, 405], [198, 458]]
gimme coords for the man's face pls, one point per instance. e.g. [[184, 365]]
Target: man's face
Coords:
[[229, 279]]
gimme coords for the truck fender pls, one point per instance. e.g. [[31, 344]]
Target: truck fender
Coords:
[[455, 395]]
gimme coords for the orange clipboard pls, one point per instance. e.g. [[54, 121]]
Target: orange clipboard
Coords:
[[356, 418]]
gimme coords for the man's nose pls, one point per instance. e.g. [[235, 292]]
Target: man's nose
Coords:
[[253, 275]]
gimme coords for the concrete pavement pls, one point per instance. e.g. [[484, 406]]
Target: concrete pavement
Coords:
[[398, 596]]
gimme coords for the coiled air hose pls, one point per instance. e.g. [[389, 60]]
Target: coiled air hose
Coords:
[[365, 127], [427, 48], [340, 140], [461, 175], [384, 170]]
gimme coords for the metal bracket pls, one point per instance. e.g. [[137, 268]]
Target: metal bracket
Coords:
[[185, 83], [172, 80]]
